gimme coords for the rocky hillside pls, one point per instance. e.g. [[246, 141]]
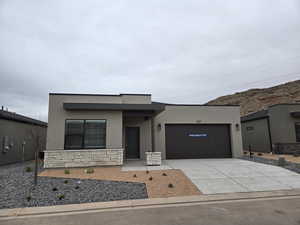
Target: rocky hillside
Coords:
[[254, 100]]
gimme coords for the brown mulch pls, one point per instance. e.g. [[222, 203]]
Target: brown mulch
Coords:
[[156, 188]]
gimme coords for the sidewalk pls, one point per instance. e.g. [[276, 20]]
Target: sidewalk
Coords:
[[142, 203]]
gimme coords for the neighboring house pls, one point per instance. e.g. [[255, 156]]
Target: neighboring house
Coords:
[[276, 128], [20, 137], [91, 129]]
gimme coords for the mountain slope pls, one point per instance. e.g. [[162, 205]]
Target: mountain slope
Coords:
[[254, 100]]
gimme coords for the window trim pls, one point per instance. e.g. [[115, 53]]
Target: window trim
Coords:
[[83, 135]]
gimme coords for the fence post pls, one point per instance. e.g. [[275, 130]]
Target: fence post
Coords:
[[36, 168]]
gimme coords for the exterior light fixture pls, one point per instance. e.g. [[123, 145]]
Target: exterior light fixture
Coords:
[[237, 127], [159, 126]]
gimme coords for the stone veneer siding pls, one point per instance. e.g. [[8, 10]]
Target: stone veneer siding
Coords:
[[153, 158], [83, 158]]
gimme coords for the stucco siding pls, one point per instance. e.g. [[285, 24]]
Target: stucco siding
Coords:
[[16, 133], [256, 134], [57, 116], [282, 124], [199, 115], [136, 99]]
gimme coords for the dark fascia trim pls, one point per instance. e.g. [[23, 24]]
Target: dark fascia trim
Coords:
[[202, 105], [117, 107], [77, 94], [19, 118], [253, 119], [284, 104]]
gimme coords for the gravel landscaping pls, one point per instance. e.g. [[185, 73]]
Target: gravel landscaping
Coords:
[[17, 189], [295, 167]]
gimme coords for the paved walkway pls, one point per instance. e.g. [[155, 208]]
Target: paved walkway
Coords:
[[213, 176]]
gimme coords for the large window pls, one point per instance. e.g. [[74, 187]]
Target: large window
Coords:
[[80, 134], [297, 129]]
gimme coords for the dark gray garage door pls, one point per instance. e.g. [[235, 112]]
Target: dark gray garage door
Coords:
[[192, 141]]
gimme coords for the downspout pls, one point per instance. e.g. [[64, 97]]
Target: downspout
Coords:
[[270, 136]]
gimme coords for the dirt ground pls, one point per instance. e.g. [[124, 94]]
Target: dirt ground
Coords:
[[156, 188], [290, 158]]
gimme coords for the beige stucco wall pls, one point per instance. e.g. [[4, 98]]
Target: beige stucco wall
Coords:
[[57, 116], [202, 115], [145, 134], [136, 99]]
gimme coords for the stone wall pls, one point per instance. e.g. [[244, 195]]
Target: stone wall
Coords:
[[153, 158], [83, 158], [286, 148]]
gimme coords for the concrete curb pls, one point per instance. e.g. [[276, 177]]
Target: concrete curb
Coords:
[[126, 204]]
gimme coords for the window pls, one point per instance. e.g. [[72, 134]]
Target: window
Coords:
[[297, 129], [84, 134], [249, 128]]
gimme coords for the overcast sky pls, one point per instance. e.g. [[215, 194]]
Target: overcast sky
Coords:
[[180, 51]]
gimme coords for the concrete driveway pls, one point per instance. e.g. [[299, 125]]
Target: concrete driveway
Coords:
[[214, 176]]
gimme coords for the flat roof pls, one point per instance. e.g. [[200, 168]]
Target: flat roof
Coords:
[[99, 94], [255, 116], [20, 118]]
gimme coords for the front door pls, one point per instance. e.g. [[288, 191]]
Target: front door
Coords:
[[132, 142]]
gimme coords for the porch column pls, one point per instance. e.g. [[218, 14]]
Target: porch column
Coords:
[[152, 134]]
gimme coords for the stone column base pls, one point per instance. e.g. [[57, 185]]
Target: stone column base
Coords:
[[153, 158]]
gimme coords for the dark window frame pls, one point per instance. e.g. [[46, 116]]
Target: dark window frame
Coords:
[[83, 135], [297, 134]]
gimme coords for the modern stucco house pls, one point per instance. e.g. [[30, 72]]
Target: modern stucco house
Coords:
[[94, 129], [20, 137], [274, 129]]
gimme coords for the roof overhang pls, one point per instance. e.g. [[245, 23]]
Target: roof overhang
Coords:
[[113, 107]]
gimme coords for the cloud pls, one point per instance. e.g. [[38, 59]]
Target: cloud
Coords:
[[180, 52]]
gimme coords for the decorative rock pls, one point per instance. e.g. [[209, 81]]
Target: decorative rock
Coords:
[[16, 185]]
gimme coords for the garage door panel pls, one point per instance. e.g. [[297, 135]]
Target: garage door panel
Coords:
[[184, 141]]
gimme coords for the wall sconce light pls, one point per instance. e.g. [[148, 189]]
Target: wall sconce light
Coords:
[[237, 127], [159, 126]]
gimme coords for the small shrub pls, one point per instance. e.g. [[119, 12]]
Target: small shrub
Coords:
[[147, 171], [54, 189], [170, 185], [150, 178], [67, 171], [134, 175], [61, 196], [28, 169], [28, 198], [260, 154], [89, 170], [66, 181], [164, 174], [76, 187]]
